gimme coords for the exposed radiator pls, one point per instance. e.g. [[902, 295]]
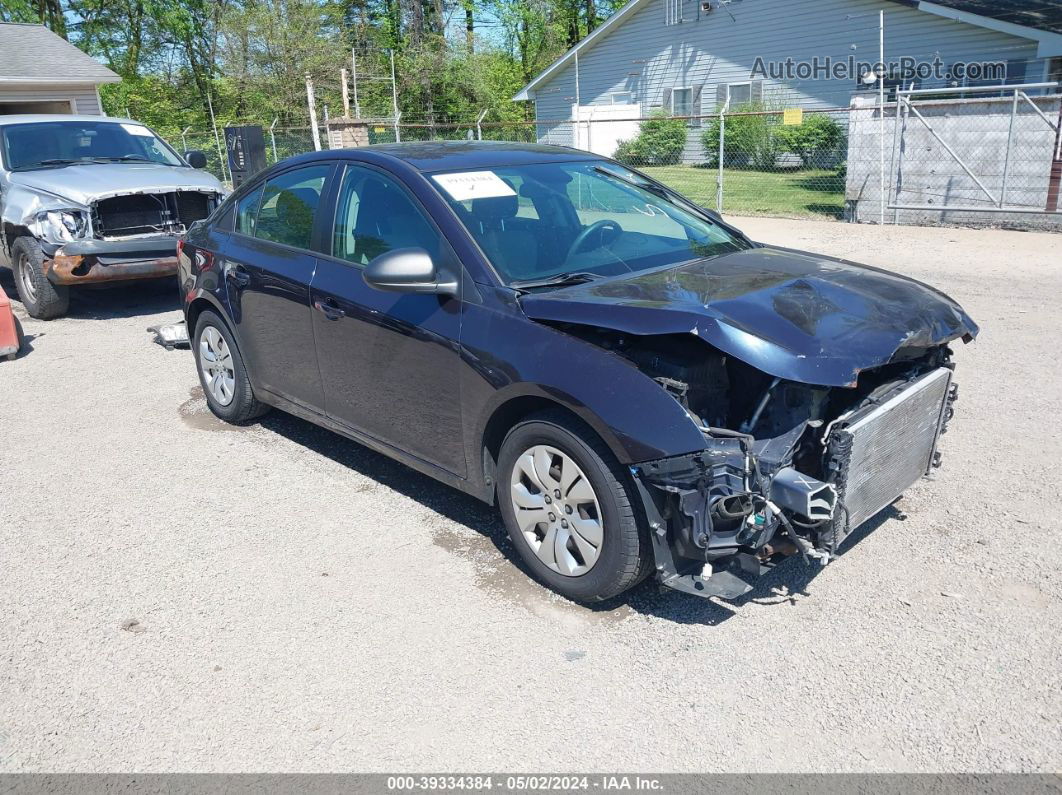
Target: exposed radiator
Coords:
[[150, 213], [884, 451]]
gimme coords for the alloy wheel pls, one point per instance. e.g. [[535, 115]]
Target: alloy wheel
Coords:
[[215, 361], [557, 510]]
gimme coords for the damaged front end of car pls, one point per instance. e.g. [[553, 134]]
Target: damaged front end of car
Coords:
[[820, 388], [108, 236], [800, 473]]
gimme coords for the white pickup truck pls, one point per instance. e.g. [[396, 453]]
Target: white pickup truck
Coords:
[[89, 200]]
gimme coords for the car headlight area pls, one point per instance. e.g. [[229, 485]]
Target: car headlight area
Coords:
[[63, 226]]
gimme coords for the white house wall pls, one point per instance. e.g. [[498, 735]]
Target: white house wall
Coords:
[[646, 57], [84, 97]]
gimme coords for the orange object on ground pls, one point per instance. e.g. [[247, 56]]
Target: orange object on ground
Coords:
[[9, 342]]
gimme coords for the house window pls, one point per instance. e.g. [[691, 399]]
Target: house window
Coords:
[[892, 85], [1017, 71], [672, 12], [682, 102], [1054, 72], [622, 98], [739, 94]]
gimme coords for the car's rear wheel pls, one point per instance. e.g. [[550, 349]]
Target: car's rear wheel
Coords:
[[222, 372], [569, 510], [42, 299]]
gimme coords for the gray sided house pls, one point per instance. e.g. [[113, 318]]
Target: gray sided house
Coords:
[[41, 72], [689, 57]]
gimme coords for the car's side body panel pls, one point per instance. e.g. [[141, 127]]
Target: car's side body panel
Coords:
[[390, 363], [268, 290], [482, 350]]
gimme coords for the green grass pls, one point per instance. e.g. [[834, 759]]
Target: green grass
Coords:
[[808, 193]]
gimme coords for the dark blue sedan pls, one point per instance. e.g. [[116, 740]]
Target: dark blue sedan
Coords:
[[639, 387]]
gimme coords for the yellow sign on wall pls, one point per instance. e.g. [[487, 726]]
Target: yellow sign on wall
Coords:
[[792, 117]]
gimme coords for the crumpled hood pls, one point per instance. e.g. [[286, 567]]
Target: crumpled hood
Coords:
[[798, 316], [88, 183]]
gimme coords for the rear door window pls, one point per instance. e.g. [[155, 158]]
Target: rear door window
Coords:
[[289, 206]]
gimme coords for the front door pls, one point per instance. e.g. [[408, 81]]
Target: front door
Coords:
[[390, 362], [268, 267]]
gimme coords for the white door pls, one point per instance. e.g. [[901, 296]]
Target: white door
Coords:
[[600, 128]]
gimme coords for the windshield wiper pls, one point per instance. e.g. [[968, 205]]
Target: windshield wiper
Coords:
[[125, 159], [55, 161], [556, 280], [656, 190]]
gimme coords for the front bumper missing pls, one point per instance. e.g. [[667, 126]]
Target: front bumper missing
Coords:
[[100, 261], [721, 517], [688, 556]]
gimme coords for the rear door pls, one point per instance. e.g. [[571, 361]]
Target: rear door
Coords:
[[390, 362], [269, 263]]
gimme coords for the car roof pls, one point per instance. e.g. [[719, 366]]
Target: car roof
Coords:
[[429, 156], [32, 118]]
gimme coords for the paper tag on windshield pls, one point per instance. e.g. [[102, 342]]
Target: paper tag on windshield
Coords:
[[136, 129], [473, 185]]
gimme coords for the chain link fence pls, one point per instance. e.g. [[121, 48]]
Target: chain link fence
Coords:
[[923, 158]]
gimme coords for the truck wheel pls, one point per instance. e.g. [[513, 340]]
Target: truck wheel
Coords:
[[569, 509], [222, 372], [42, 299]]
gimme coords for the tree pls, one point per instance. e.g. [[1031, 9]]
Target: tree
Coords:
[[45, 12], [246, 59]]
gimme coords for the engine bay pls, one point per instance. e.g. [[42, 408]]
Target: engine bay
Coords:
[[150, 213]]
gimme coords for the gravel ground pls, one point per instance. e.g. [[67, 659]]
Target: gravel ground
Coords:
[[176, 594]]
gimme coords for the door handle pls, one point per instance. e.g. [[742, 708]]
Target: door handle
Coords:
[[238, 276], [330, 308]]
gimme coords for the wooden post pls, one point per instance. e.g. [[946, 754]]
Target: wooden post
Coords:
[[346, 93], [313, 114]]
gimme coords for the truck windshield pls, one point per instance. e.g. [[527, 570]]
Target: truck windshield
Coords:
[[544, 225], [52, 144]]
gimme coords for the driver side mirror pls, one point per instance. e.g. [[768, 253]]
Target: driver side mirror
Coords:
[[195, 158], [408, 270]]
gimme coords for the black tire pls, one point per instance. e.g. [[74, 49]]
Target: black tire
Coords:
[[625, 557], [243, 407], [47, 300]]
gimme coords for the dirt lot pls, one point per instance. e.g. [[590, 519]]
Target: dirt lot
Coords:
[[176, 594]]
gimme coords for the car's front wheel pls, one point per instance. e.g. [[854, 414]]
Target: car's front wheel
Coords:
[[569, 510], [42, 299], [222, 372]]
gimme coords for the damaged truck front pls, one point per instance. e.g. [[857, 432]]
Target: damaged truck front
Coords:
[[88, 201], [820, 389]]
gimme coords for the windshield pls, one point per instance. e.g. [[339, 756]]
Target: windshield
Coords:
[[52, 144], [583, 220]]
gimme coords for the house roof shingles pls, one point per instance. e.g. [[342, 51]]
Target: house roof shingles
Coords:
[[1036, 14], [33, 54]]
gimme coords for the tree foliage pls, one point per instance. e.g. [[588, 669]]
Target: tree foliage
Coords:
[[247, 60]]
